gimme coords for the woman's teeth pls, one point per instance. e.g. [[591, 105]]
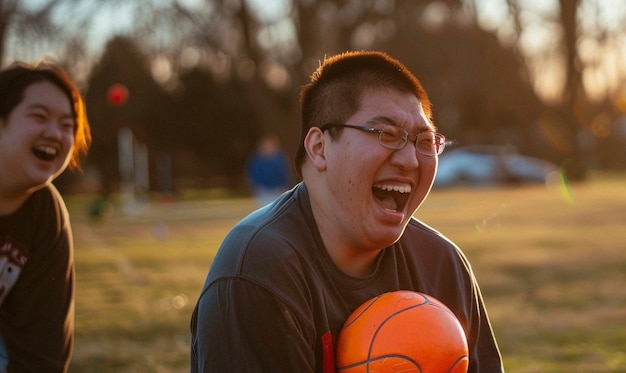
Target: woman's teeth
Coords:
[[46, 153]]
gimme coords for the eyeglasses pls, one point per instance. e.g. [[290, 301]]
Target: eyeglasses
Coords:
[[393, 137]]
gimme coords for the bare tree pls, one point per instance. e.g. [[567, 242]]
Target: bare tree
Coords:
[[27, 23], [50, 28]]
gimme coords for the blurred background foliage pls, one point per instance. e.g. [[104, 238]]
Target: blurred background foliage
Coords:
[[206, 78]]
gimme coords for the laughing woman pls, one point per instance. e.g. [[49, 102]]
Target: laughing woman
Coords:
[[43, 130]]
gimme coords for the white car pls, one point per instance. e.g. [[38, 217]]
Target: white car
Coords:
[[490, 165]]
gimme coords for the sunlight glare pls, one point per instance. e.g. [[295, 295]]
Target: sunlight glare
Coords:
[[161, 69]]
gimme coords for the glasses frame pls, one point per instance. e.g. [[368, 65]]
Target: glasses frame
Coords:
[[439, 138]]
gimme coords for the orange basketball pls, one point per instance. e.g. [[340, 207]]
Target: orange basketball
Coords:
[[402, 331]]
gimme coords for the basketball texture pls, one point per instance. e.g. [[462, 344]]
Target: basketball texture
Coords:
[[402, 331]]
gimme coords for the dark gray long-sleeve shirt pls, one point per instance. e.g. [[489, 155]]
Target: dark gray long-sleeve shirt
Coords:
[[274, 301]]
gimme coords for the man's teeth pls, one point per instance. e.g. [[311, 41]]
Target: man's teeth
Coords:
[[392, 197]]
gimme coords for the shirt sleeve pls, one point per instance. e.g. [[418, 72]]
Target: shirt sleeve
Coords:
[[484, 352], [483, 349], [450, 278], [239, 326]]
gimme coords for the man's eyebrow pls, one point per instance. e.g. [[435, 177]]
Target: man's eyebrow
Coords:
[[384, 120], [387, 120]]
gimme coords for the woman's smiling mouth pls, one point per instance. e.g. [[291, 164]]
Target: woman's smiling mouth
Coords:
[[45, 152]]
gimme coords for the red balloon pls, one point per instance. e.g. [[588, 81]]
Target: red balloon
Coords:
[[117, 94]]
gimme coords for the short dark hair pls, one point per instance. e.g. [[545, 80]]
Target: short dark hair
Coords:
[[334, 90], [16, 78]]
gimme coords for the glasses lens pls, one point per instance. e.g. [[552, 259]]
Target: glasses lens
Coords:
[[426, 143], [393, 137], [430, 143]]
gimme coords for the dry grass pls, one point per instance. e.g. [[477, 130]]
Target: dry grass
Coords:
[[551, 264]]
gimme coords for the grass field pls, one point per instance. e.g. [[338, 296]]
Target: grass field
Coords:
[[551, 262]]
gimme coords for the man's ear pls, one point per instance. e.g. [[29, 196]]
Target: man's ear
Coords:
[[314, 144]]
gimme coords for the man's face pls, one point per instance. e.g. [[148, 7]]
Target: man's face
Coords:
[[372, 191]]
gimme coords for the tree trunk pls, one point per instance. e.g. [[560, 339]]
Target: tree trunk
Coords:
[[574, 98]]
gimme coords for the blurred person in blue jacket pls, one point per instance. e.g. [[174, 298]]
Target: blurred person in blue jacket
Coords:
[[267, 170]]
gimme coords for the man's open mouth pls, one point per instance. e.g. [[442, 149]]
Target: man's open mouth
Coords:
[[392, 197]]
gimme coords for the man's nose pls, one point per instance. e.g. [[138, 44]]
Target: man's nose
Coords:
[[406, 158]]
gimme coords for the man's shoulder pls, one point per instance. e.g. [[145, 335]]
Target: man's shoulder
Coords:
[[419, 228], [420, 236], [281, 221], [274, 237]]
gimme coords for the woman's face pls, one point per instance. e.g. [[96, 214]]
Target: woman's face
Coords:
[[37, 138]]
